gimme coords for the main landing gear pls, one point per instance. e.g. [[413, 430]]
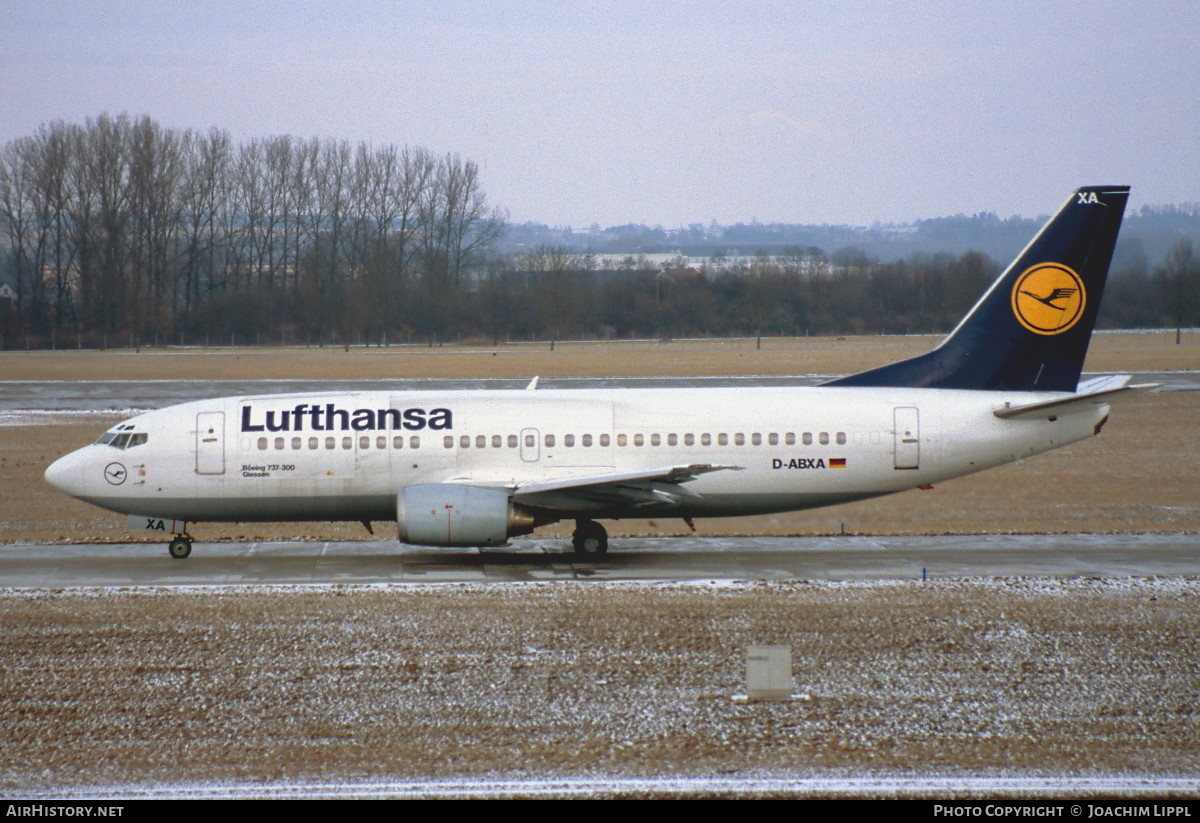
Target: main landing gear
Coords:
[[180, 546], [590, 539]]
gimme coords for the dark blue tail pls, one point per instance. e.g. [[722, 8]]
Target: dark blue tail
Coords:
[[1030, 331]]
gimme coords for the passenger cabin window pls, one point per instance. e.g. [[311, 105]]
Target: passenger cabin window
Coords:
[[841, 438], [512, 441], [672, 440], [586, 440], [807, 438], [448, 441], [549, 440], [497, 441], [604, 440], [790, 438], [824, 438]]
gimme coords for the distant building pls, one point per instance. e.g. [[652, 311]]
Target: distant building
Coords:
[[674, 261]]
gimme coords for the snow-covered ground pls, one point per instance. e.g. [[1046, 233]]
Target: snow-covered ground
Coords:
[[947, 788], [1005, 687]]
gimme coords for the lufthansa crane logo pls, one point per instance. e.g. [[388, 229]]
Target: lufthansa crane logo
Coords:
[[1048, 298], [115, 473]]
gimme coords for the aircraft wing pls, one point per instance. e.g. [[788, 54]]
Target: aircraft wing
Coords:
[[643, 488], [1090, 393]]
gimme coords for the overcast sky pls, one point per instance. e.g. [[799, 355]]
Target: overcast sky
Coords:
[[662, 113]]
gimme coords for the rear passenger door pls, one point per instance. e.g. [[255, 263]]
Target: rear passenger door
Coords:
[[907, 437]]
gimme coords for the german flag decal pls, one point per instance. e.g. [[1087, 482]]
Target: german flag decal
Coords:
[[837, 462]]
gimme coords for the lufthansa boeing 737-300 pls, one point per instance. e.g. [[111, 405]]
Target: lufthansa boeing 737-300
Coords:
[[474, 468]]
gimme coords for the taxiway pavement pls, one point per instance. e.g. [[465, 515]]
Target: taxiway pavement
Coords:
[[648, 559]]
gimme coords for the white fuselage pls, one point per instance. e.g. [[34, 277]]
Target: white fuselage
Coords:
[[345, 456]]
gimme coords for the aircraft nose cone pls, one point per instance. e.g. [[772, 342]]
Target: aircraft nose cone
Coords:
[[57, 473], [66, 474]]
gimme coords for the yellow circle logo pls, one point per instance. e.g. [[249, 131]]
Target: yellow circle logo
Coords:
[[1048, 298]]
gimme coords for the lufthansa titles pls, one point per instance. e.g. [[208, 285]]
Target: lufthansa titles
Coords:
[[330, 417]]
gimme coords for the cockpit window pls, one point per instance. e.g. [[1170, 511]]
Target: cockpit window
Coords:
[[126, 440]]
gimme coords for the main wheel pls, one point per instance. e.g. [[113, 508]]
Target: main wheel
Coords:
[[180, 547], [590, 539]]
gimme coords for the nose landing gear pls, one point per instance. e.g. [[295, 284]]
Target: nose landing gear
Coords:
[[180, 546]]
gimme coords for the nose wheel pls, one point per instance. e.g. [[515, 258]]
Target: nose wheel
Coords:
[[590, 539], [180, 546]]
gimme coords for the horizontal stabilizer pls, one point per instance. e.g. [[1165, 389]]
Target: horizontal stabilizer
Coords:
[[1091, 393]]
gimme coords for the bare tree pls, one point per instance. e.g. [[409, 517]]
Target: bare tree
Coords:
[[456, 226], [18, 175], [57, 157], [1179, 280], [388, 183], [102, 191], [208, 161], [121, 224], [556, 291], [156, 172]]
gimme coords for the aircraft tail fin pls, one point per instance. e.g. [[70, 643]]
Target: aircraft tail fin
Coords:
[[1030, 330]]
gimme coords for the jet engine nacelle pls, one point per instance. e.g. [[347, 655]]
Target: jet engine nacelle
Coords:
[[444, 514]]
